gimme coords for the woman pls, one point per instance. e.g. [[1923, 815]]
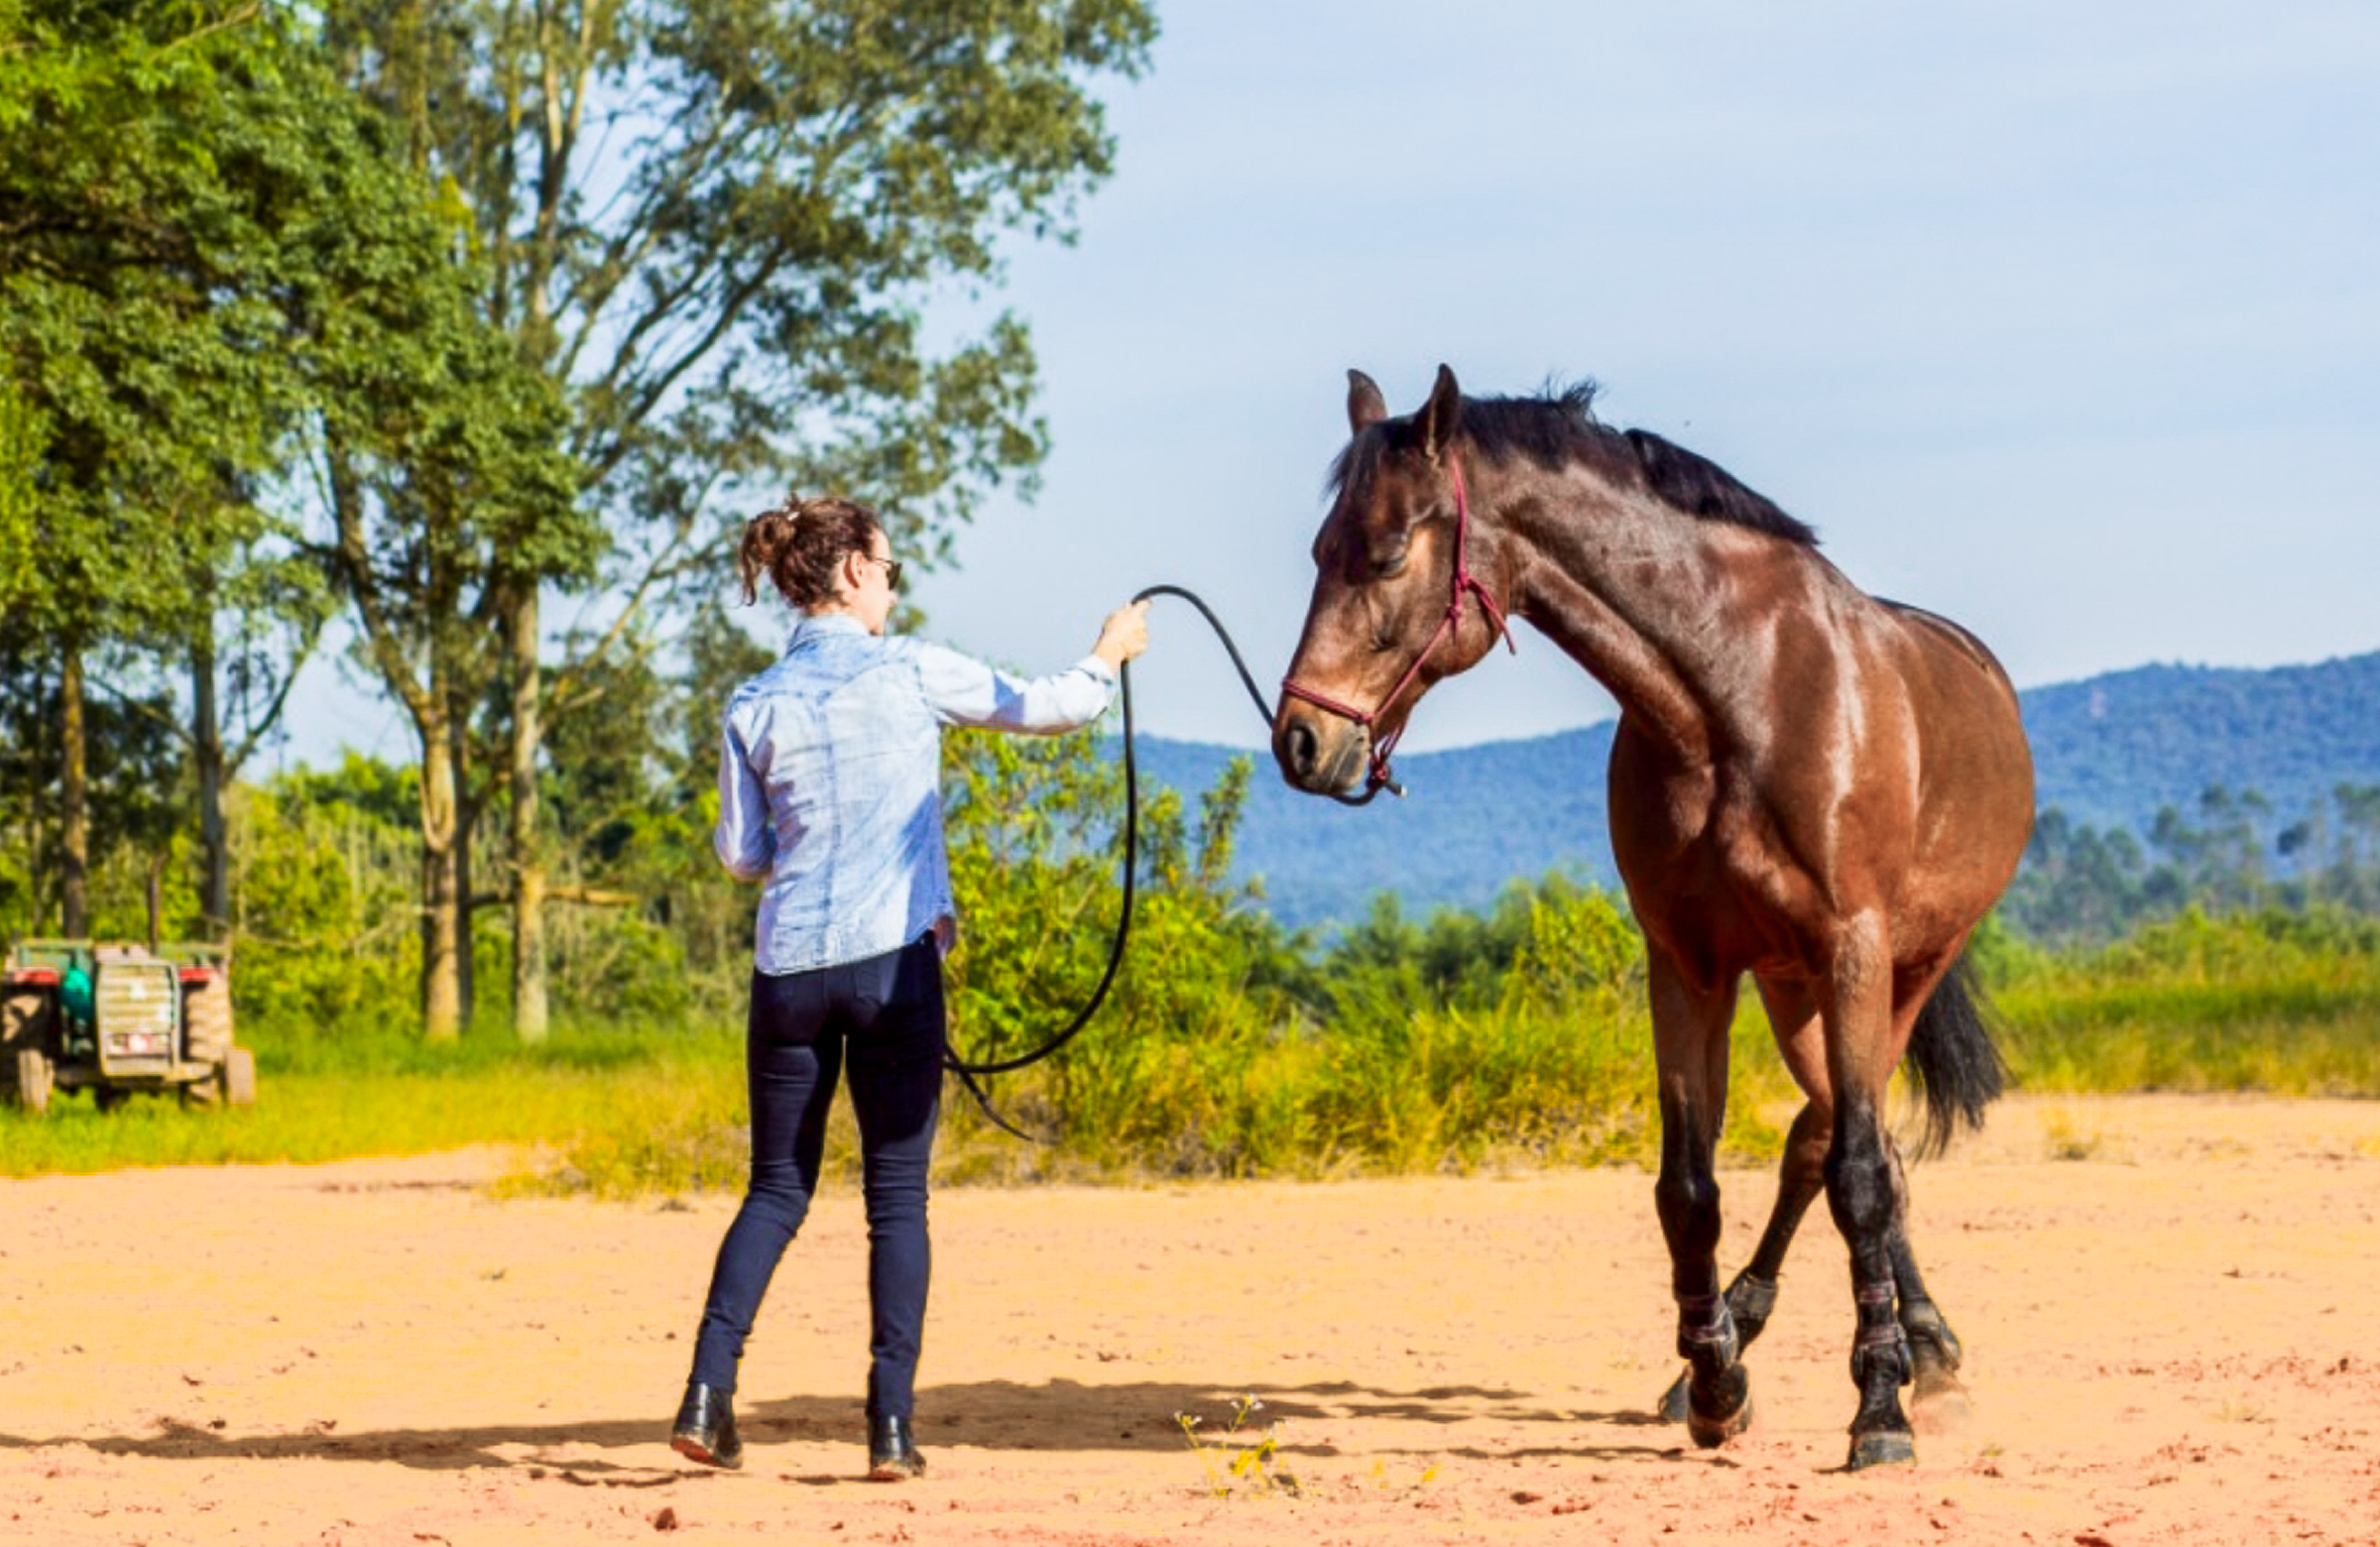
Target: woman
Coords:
[[829, 794]]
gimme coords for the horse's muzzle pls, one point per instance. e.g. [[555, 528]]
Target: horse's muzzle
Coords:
[[1320, 754]]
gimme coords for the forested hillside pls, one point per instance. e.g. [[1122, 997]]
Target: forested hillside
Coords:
[[2110, 753]]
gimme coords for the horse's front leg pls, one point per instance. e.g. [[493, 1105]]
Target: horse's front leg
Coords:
[[1752, 1293], [1690, 1046], [1801, 1175]]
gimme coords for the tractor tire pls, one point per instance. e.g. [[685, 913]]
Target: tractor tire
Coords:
[[204, 1095], [34, 1078], [239, 1077], [207, 1020], [26, 1015]]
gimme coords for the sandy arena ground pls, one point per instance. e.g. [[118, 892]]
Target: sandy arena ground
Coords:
[[2163, 1303]]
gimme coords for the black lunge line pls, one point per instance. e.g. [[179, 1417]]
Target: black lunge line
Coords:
[[967, 1069]]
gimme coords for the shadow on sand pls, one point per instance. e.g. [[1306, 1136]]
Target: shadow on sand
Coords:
[[994, 1415]]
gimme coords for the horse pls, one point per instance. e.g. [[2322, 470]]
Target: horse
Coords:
[[1820, 789]]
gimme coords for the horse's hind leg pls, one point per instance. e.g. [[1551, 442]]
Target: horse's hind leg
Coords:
[[1939, 1403], [1690, 1044]]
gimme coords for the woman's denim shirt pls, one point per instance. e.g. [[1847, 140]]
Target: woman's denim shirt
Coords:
[[829, 784]]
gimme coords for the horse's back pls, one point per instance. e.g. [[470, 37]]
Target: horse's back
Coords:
[[1925, 625]]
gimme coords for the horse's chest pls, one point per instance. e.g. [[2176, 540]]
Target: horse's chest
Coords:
[[1709, 872]]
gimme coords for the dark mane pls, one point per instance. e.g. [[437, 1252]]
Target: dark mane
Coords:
[[1560, 427]]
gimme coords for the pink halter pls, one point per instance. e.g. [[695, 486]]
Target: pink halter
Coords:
[[1465, 583]]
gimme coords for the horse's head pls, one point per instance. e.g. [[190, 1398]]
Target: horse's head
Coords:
[[1394, 593]]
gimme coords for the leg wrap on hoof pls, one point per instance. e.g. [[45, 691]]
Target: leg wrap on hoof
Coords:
[[1881, 1366], [1932, 1338], [1889, 1351], [1706, 1331], [1719, 1394], [1751, 1301], [1940, 1403]]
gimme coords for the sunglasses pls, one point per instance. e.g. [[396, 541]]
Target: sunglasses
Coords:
[[891, 568]]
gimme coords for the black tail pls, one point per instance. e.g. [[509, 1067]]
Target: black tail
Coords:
[[1951, 1058]]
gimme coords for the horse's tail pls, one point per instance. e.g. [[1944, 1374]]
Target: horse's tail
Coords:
[[1952, 1059]]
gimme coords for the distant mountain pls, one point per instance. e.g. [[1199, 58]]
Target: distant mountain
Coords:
[[2109, 749]]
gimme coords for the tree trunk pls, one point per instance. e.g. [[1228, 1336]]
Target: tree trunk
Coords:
[[73, 801], [431, 705], [466, 819], [528, 872], [441, 982], [206, 736]]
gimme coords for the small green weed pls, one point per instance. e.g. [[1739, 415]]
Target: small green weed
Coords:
[[1255, 1468]]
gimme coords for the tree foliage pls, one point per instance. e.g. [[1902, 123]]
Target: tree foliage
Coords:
[[717, 226], [2083, 886]]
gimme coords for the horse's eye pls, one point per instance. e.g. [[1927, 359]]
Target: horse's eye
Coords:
[[1389, 564]]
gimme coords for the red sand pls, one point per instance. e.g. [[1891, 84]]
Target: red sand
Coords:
[[2168, 1341]]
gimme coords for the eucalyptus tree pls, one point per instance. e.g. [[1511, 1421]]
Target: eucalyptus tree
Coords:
[[154, 375], [440, 481], [722, 224], [215, 257], [23, 438]]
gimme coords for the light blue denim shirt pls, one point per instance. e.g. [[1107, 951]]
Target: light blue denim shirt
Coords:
[[830, 788]]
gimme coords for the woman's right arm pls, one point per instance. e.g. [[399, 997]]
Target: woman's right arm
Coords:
[[745, 839], [964, 691]]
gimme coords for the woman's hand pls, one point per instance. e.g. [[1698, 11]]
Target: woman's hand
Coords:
[[1123, 634]]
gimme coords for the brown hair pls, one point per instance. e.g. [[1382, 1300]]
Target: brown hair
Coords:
[[799, 545]]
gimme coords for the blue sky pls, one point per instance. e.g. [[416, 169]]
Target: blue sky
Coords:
[[2061, 319]]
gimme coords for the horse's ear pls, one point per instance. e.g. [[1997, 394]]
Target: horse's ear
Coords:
[[1364, 405], [1436, 420]]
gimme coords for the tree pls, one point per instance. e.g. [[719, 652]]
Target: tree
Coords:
[[445, 484], [23, 438], [2222, 863], [213, 253], [719, 222], [146, 365]]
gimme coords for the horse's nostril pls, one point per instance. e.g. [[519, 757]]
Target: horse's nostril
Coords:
[[1301, 749]]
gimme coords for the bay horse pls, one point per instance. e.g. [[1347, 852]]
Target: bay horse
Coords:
[[1819, 788]]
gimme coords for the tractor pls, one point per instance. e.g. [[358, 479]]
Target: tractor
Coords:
[[118, 1019]]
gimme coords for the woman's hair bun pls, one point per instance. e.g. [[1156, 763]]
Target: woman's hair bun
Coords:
[[800, 543]]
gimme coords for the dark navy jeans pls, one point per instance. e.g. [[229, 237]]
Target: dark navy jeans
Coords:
[[882, 1019]]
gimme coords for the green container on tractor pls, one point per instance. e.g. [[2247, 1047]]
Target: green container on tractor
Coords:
[[115, 1019]]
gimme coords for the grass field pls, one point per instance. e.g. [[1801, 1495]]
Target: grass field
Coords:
[[2283, 1003], [2270, 1005]]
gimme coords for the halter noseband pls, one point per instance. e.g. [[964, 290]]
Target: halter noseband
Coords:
[[1376, 775]]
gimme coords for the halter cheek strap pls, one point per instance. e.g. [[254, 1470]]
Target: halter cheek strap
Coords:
[[1466, 584]]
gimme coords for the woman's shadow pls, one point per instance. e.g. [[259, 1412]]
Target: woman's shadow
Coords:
[[999, 1415]]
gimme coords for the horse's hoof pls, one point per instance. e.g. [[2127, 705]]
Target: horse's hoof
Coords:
[[1940, 1404], [1712, 1433], [1673, 1406], [1881, 1448]]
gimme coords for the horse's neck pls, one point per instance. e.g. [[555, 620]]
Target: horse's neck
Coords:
[[1635, 594]]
